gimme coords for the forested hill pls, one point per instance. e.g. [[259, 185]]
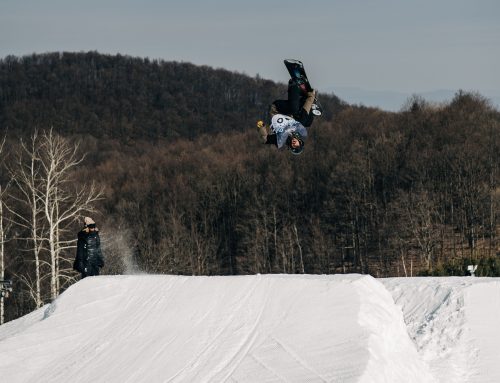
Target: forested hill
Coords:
[[124, 97], [388, 194]]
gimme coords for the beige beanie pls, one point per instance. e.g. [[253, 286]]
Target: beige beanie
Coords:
[[88, 221]]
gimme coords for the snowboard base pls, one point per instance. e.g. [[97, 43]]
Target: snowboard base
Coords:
[[297, 73]]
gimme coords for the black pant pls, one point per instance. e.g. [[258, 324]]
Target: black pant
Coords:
[[293, 106]]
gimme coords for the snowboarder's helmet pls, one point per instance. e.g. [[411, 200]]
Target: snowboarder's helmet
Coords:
[[299, 149]]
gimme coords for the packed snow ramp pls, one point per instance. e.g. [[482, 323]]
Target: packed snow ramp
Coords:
[[262, 328]]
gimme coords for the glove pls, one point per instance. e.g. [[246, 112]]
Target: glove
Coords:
[[261, 127]]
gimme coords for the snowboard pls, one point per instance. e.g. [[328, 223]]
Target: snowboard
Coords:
[[298, 73]]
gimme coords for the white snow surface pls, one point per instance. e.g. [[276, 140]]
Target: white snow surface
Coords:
[[261, 328]]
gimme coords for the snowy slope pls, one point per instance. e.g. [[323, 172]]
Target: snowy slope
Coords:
[[262, 328], [454, 323]]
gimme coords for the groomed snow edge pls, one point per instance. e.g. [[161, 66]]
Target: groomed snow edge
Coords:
[[262, 328]]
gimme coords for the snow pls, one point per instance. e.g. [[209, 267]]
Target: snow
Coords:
[[261, 328]]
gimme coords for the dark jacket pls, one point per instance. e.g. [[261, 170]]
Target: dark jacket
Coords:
[[89, 257]]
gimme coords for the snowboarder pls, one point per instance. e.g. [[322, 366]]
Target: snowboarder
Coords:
[[291, 117], [288, 124], [284, 131], [89, 259]]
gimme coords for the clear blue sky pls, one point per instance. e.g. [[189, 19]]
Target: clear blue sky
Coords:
[[401, 45]]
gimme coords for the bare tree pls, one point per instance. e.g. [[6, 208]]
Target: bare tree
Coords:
[[26, 178], [2, 257], [423, 220], [2, 245], [62, 203], [301, 257], [44, 178]]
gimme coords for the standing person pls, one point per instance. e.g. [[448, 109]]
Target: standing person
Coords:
[[89, 259], [289, 119]]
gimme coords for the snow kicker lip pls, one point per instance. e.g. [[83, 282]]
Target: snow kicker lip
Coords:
[[250, 328]]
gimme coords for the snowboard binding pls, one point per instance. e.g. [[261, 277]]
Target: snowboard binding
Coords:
[[316, 109]]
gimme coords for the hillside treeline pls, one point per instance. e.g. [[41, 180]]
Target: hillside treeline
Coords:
[[122, 97], [412, 193], [389, 194]]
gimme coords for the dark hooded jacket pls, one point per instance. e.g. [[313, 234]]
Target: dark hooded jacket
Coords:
[[89, 257]]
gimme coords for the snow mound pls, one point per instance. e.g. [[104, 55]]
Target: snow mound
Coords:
[[261, 328], [453, 322]]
